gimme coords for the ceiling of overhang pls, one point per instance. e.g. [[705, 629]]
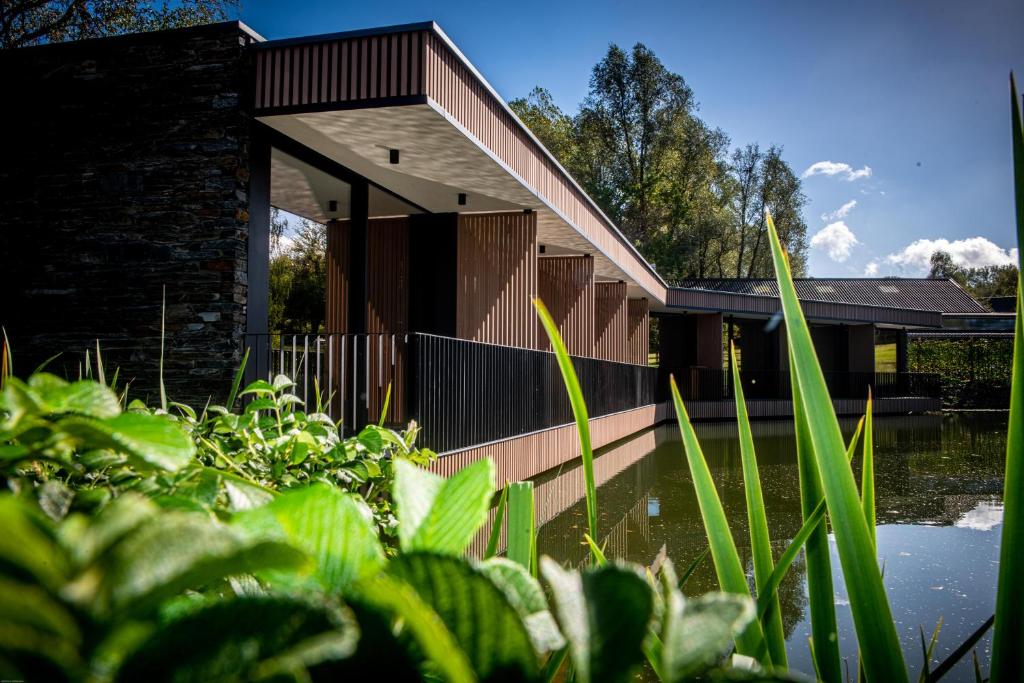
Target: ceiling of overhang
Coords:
[[306, 191], [437, 161]]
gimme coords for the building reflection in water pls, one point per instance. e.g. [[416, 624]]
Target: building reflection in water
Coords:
[[930, 470]]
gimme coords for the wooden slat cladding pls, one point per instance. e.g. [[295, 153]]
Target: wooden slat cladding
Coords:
[[497, 278], [730, 302], [336, 290], [453, 86], [611, 322], [387, 306], [387, 311], [522, 457], [566, 286], [638, 331], [338, 71], [556, 495]]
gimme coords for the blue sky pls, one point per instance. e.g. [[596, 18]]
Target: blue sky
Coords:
[[907, 100]]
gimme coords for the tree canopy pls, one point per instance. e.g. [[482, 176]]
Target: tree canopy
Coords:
[[982, 283], [33, 22], [666, 177]]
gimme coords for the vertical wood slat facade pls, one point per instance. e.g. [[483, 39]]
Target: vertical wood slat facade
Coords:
[[611, 322], [638, 333], [566, 286], [387, 307], [336, 289], [336, 71], [497, 278]]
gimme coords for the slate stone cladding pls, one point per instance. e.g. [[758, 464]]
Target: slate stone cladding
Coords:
[[124, 170]]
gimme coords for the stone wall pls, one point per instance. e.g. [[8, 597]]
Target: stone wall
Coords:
[[125, 171]]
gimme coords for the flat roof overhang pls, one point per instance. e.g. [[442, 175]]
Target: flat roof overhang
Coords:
[[355, 96], [690, 300]]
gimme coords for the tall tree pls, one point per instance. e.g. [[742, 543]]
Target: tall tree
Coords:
[[31, 22], [635, 108], [982, 283]]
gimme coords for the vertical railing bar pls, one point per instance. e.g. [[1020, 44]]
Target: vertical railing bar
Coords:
[[305, 371], [342, 358]]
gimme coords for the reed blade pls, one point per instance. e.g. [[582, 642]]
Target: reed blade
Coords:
[[521, 532], [872, 616], [499, 520], [867, 473], [729, 569], [579, 411], [1008, 636], [760, 539]]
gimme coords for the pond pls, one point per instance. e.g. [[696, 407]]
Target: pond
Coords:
[[938, 486]]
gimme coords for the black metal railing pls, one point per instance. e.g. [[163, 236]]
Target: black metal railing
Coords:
[[461, 393], [466, 393], [713, 384]]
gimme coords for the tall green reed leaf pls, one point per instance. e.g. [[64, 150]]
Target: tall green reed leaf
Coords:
[[760, 540], [579, 411], [821, 596], [867, 472], [237, 382], [785, 561], [1008, 637], [163, 321], [872, 617], [731, 577], [499, 520], [521, 524]]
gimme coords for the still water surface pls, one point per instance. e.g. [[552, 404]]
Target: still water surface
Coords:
[[938, 486]]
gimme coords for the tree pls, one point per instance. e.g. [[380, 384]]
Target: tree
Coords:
[[982, 283], [298, 275], [635, 109], [665, 177], [33, 22]]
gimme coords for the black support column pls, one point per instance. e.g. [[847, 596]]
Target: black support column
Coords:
[[357, 297], [258, 260]]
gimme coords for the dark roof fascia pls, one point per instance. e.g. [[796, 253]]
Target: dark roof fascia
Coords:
[[775, 301]]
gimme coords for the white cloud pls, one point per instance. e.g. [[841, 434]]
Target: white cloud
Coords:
[[871, 269], [842, 212], [836, 239], [973, 252], [831, 168], [985, 516]]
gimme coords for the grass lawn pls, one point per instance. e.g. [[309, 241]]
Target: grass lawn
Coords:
[[885, 357]]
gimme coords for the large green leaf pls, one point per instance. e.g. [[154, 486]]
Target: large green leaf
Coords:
[[150, 441], [27, 548], [760, 540], [387, 595], [605, 613], [527, 597], [728, 568], [328, 524], [474, 610], [86, 539], [173, 552], [872, 617], [1008, 637], [243, 639], [697, 633], [36, 631], [84, 397], [441, 515]]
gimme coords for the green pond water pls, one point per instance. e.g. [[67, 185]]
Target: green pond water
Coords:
[[939, 482]]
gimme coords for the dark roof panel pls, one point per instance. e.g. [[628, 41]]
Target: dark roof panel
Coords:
[[927, 294]]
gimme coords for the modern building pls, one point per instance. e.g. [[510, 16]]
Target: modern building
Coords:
[[136, 189]]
